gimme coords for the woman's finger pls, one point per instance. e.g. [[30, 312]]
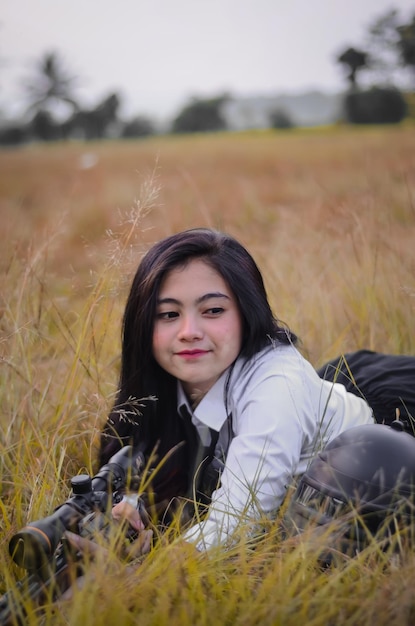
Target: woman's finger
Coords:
[[84, 545], [126, 511], [142, 545]]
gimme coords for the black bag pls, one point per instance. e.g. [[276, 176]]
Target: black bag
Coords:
[[385, 381]]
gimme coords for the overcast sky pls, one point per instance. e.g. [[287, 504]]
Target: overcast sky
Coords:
[[159, 53]]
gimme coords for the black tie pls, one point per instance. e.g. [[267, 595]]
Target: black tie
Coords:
[[200, 453]]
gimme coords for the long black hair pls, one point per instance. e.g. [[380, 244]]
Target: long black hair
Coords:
[[145, 409]]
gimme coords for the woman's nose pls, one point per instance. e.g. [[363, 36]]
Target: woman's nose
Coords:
[[190, 328]]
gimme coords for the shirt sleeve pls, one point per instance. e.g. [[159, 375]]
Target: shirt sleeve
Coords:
[[272, 421]]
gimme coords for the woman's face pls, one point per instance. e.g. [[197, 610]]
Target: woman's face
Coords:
[[198, 326]]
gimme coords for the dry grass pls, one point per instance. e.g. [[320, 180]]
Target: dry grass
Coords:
[[330, 217]]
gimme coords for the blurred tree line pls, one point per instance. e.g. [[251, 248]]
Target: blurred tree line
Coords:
[[50, 88], [389, 50]]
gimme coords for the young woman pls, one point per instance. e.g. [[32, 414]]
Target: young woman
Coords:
[[214, 390]]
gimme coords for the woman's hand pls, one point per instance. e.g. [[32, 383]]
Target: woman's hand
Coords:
[[86, 546], [139, 547], [124, 511]]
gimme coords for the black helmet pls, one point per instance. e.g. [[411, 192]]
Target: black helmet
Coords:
[[363, 479]]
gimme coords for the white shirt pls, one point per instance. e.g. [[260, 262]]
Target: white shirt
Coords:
[[282, 415]]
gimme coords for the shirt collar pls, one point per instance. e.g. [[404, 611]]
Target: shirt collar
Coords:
[[211, 410]]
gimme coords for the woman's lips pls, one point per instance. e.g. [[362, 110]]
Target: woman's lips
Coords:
[[191, 354]]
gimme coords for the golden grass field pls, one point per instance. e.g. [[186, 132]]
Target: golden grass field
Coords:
[[329, 214]]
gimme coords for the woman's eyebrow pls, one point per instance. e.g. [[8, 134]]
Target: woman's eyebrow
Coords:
[[206, 296], [167, 301]]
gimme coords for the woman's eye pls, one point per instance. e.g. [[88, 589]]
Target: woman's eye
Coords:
[[167, 315], [215, 310]]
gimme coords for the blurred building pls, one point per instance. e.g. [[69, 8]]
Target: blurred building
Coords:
[[312, 108]]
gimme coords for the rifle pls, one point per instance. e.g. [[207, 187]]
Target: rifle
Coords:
[[40, 547]]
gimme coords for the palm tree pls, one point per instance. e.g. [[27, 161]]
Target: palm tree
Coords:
[[354, 60], [52, 85]]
